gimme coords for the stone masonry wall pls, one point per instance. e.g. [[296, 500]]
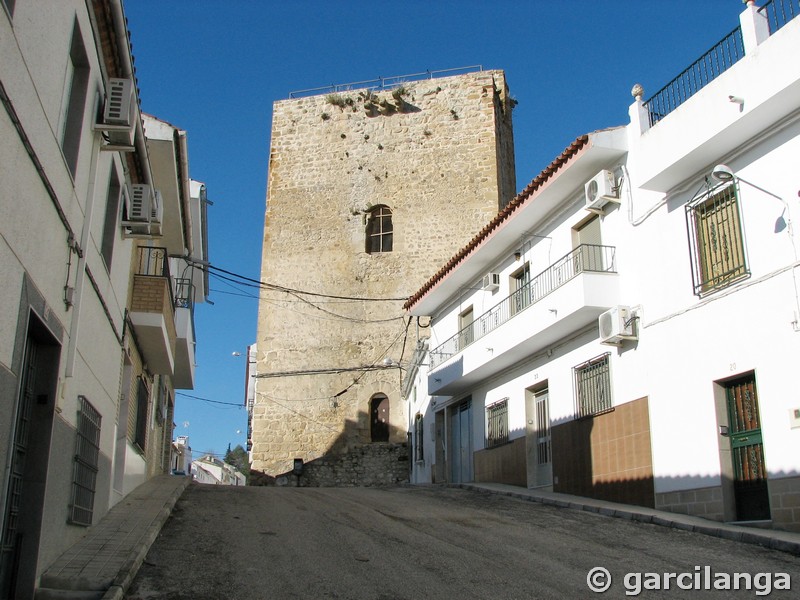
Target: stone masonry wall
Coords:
[[432, 153]]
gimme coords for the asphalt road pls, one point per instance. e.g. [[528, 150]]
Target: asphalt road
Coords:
[[418, 543]]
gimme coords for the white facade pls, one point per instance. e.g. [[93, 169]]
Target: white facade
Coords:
[[648, 419], [213, 471], [86, 386]]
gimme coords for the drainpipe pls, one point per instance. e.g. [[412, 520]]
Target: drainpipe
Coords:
[[81, 249]]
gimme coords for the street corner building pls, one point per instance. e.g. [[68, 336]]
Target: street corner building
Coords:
[[371, 186], [628, 328], [100, 226]]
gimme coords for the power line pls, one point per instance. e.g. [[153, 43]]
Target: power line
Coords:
[[238, 404], [271, 286]]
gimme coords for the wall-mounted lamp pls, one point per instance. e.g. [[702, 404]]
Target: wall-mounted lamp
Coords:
[[722, 173], [736, 100], [517, 255]]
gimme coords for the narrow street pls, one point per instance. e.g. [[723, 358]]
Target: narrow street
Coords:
[[423, 542]]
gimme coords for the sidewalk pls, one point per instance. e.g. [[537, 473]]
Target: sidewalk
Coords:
[[778, 540], [102, 564]]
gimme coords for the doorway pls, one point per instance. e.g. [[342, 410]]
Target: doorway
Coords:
[[461, 442], [379, 418], [537, 437], [750, 489], [28, 461]]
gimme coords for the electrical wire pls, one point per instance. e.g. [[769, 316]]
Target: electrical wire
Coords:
[[237, 404], [305, 301], [271, 286]]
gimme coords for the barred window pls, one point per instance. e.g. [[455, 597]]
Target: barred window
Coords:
[[716, 240], [497, 423], [84, 468], [380, 231], [419, 453], [593, 386]]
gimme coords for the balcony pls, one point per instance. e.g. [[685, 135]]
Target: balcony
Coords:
[[743, 86], [183, 379], [152, 310], [568, 295]]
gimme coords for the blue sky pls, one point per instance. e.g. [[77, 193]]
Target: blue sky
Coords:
[[214, 68]]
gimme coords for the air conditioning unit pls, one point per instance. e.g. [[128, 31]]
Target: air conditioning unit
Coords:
[[117, 122], [600, 190], [140, 208], [617, 324], [118, 109], [156, 213], [491, 282]]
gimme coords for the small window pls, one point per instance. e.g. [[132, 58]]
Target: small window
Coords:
[[716, 240], [593, 386], [76, 81], [84, 469], [419, 453], [497, 423], [111, 219], [379, 230]]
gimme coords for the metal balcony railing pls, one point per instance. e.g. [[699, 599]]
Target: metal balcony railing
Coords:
[[153, 261], [779, 13], [383, 83], [585, 258], [723, 55]]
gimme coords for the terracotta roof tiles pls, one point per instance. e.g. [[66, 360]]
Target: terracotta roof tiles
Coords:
[[501, 217]]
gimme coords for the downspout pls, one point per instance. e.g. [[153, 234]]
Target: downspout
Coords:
[[185, 193]]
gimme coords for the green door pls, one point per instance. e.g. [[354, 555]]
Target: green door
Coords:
[[747, 449]]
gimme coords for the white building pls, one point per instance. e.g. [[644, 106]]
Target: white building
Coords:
[[92, 346], [628, 326], [181, 457], [211, 470]]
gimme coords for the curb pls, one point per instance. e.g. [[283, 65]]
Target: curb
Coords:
[[773, 539], [128, 572]]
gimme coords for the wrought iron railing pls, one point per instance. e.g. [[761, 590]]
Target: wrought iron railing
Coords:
[[497, 423], [153, 261], [382, 83], [779, 13], [585, 258], [723, 55]]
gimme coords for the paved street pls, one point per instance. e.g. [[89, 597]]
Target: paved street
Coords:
[[424, 542]]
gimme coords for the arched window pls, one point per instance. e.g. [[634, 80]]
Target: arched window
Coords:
[[379, 230], [379, 418]]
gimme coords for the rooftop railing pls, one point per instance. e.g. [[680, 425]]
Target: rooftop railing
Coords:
[[723, 55], [382, 83], [585, 258], [779, 13]]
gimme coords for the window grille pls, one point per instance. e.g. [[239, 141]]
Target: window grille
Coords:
[[419, 453], [716, 240], [380, 231], [543, 439], [84, 470], [593, 386], [497, 423]]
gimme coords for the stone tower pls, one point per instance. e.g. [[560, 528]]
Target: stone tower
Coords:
[[369, 193]]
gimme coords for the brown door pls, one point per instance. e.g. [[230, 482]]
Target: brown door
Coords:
[[747, 449]]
